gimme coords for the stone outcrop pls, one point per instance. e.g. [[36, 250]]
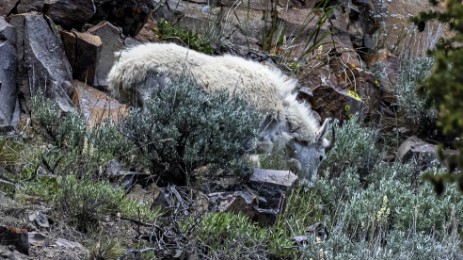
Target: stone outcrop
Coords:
[[42, 62]]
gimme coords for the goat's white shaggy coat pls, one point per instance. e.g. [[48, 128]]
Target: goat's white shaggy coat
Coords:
[[268, 90]]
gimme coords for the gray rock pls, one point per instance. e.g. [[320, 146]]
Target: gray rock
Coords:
[[425, 154], [272, 188], [112, 42], [70, 13], [39, 219], [67, 243], [26, 6], [42, 62], [389, 66], [281, 178], [6, 6], [38, 239], [238, 202], [8, 64], [344, 47], [413, 148]]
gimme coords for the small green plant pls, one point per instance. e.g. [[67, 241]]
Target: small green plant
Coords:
[[359, 152], [191, 39], [103, 246], [235, 236], [9, 151], [64, 129], [86, 200], [181, 128], [106, 142]]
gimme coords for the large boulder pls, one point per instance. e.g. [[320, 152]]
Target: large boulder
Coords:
[[8, 64], [70, 13], [130, 15], [42, 62]]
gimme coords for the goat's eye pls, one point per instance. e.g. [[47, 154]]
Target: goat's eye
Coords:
[[321, 158]]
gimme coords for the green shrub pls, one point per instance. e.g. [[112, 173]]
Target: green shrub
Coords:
[[106, 142], [235, 236], [86, 200], [414, 103], [355, 147], [391, 218], [373, 209], [181, 128], [65, 129], [90, 146]]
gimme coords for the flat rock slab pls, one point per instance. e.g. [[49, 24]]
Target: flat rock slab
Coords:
[[282, 178], [95, 105], [239, 201]]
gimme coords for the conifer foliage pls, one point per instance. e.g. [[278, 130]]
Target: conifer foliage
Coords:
[[445, 84]]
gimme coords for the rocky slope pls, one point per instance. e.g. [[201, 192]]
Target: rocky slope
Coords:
[[65, 49]]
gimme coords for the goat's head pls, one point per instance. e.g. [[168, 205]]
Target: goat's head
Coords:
[[305, 156]]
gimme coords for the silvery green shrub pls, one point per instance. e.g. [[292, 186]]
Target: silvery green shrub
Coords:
[[181, 128]]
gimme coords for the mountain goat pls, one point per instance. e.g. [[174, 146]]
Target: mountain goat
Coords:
[[291, 125]]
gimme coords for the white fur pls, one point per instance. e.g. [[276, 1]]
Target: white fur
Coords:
[[268, 90]]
